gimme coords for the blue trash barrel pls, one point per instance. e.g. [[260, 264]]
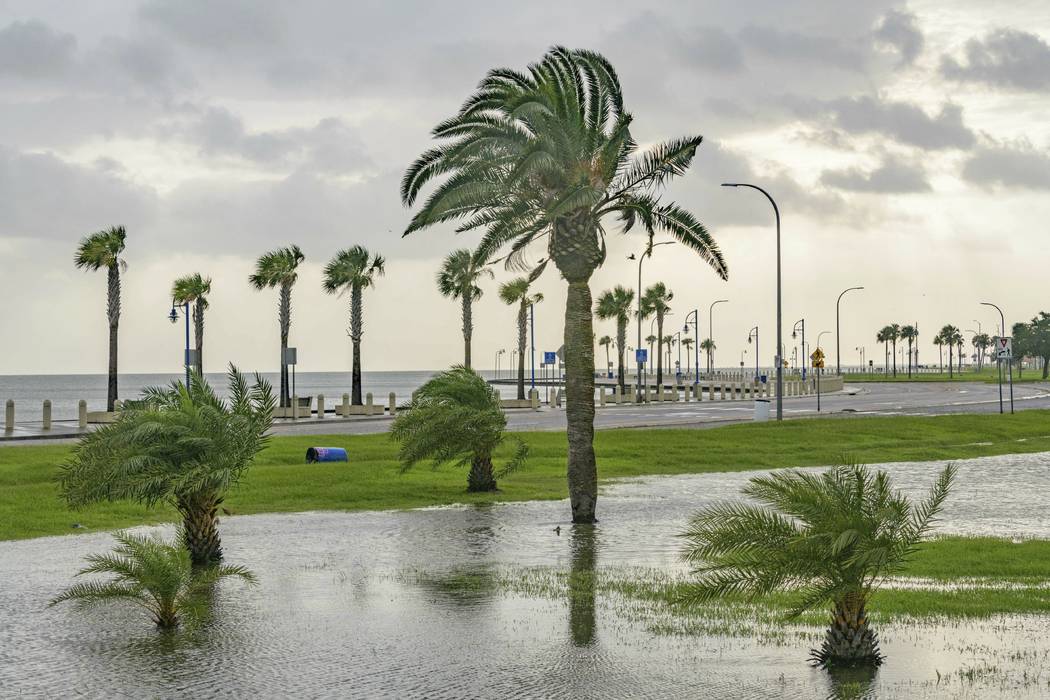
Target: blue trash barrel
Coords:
[[325, 454]]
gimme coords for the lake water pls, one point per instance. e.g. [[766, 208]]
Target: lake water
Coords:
[[365, 605]]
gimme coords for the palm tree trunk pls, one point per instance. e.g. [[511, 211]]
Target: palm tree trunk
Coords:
[[579, 391], [198, 332], [1046, 366], [481, 476], [909, 358], [895, 358], [951, 364], [621, 343], [284, 313], [581, 585], [356, 331], [659, 351], [200, 528], [523, 327], [849, 641], [468, 328], [113, 312]]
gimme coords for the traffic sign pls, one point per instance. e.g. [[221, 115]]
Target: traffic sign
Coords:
[[818, 358], [549, 358], [641, 355], [1004, 348]]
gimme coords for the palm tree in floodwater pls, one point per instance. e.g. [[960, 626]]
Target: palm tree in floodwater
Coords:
[[105, 250], [518, 291], [458, 279], [280, 268], [911, 334], [547, 155], [656, 301], [617, 303], [194, 289], [354, 270]]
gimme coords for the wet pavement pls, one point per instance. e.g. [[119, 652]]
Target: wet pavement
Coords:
[[373, 605]]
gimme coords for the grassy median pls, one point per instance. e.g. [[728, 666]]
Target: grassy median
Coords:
[[280, 481], [988, 375]]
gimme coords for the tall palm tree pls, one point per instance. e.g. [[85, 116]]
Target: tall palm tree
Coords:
[[104, 250], [617, 303], [909, 333], [828, 539], [883, 336], [548, 154], [688, 344], [518, 291], [458, 279], [651, 340], [354, 270], [157, 576], [708, 346], [606, 341], [657, 301], [981, 341], [939, 342], [185, 446], [894, 334], [280, 268], [194, 289], [951, 337], [669, 344]]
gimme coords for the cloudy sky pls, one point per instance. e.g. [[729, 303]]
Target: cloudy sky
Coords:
[[908, 145]]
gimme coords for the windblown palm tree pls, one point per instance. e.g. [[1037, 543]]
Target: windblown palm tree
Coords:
[[951, 337], [981, 342], [194, 289], [280, 268], [606, 341], [668, 342], [518, 291], [893, 333], [656, 301], [154, 575], [688, 344], [911, 334], [617, 303], [883, 336], [456, 417], [185, 446], [829, 538], [104, 250], [651, 340], [354, 270], [939, 342], [458, 279], [708, 346], [548, 154]]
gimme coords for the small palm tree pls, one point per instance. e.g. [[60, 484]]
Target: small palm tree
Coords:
[[456, 417], [194, 289], [883, 337], [280, 268], [605, 341], [354, 270], [939, 342], [547, 156], [708, 346], [458, 279], [910, 334], [656, 301], [688, 344], [651, 340], [616, 303], [668, 342], [830, 538], [184, 446], [518, 291], [893, 333], [105, 250], [981, 341], [951, 337], [155, 575]]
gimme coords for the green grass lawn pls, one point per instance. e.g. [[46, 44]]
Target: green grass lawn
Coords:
[[280, 481], [987, 375]]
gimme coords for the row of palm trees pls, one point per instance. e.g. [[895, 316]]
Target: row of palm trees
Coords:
[[949, 336]]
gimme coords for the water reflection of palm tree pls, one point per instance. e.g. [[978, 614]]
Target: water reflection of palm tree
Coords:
[[851, 683], [582, 541]]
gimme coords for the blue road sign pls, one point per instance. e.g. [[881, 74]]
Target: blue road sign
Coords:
[[549, 358], [641, 355]]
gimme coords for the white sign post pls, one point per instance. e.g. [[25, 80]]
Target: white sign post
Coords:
[[1004, 352], [1004, 348]]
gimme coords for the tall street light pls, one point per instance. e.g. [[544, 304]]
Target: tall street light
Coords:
[[1009, 360], [174, 318], [838, 335], [801, 323], [695, 313], [780, 339], [648, 252], [711, 331], [753, 333]]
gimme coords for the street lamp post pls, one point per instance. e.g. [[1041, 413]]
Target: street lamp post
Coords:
[[678, 369], [174, 318], [780, 339], [695, 313], [648, 252], [801, 323], [711, 332], [838, 335], [818, 370], [532, 335], [1009, 360], [753, 333]]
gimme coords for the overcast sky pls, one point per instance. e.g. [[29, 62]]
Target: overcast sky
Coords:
[[908, 145]]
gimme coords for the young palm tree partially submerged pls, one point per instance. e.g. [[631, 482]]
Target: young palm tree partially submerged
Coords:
[[155, 575], [456, 417], [832, 538], [185, 446]]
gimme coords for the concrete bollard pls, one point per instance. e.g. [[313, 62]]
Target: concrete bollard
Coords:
[[320, 406], [9, 416], [534, 399], [47, 414], [722, 390], [674, 393], [686, 390], [392, 406], [295, 407], [616, 395], [368, 404], [659, 393], [82, 414]]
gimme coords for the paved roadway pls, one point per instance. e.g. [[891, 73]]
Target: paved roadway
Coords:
[[933, 398]]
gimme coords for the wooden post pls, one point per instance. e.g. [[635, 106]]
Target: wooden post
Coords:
[[320, 406], [47, 414], [82, 414]]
